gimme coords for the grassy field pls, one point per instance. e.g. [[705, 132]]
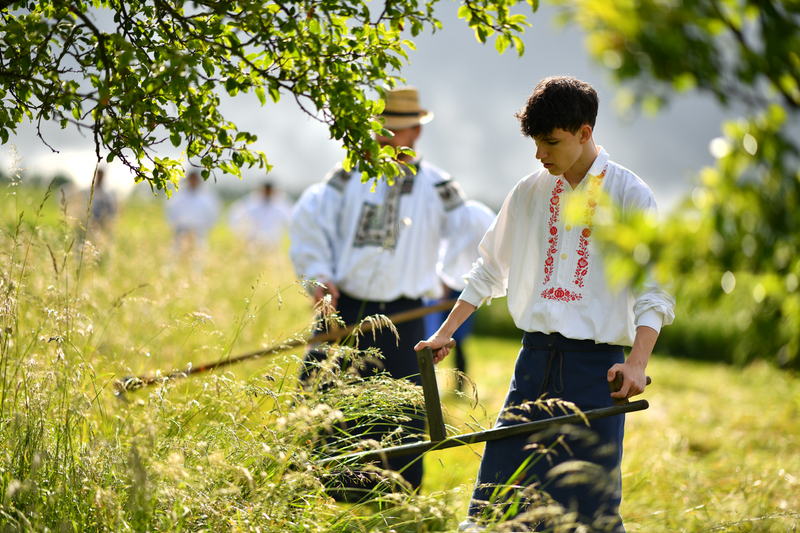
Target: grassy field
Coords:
[[718, 450]]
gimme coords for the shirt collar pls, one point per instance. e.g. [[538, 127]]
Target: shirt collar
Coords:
[[599, 164]]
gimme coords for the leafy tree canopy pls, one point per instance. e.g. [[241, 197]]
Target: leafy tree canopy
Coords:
[[142, 73]]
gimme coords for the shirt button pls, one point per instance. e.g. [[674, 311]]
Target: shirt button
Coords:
[[563, 256], [568, 227]]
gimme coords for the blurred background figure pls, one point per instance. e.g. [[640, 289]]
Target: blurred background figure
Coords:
[[191, 212], [93, 210], [481, 218], [261, 218], [103, 207]]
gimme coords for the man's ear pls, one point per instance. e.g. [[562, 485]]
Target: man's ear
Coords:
[[585, 133]]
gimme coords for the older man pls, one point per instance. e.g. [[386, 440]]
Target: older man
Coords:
[[376, 251]]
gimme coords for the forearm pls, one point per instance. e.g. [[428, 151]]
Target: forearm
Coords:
[[457, 316], [643, 345], [439, 340], [632, 370]]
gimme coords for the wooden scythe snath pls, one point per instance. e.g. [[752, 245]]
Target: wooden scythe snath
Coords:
[[132, 383], [439, 440]]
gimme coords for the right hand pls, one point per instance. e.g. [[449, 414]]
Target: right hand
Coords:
[[327, 287], [439, 344]]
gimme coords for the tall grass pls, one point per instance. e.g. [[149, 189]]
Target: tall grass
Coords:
[[225, 451]]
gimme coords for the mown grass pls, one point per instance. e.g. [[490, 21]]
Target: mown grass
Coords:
[[233, 450]]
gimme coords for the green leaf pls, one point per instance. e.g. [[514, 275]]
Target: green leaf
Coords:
[[501, 42], [518, 44], [274, 94], [156, 72], [262, 97]]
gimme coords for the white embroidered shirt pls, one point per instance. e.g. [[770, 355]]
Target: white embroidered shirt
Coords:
[[542, 253], [384, 244]]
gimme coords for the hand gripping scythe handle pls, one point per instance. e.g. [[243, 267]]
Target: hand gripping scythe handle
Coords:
[[616, 385]]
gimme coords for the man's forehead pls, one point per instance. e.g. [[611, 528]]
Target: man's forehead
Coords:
[[556, 133]]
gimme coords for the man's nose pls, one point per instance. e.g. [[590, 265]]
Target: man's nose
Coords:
[[541, 153]]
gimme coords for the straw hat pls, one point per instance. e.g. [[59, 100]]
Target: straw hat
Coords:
[[402, 109]]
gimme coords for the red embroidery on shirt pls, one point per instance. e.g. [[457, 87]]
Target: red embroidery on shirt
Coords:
[[553, 240], [562, 295], [588, 221]]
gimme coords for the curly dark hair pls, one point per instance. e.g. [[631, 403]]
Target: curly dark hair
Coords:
[[558, 102]]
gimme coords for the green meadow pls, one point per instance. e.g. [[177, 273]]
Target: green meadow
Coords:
[[233, 449]]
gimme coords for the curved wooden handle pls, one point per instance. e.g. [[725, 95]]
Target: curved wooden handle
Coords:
[[616, 385]]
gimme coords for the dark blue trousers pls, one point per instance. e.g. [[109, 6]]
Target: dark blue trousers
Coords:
[[575, 371]]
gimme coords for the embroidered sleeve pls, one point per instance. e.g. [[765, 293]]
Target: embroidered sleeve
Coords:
[[464, 229], [451, 194], [489, 275], [338, 178], [653, 295]]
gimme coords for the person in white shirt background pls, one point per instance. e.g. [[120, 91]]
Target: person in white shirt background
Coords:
[[542, 253], [261, 218], [104, 204], [191, 212], [480, 221], [377, 251]]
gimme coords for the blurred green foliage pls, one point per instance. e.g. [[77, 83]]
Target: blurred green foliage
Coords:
[[732, 247]]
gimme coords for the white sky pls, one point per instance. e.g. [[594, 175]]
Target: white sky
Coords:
[[474, 94]]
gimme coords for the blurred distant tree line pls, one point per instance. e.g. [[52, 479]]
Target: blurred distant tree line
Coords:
[[143, 73]]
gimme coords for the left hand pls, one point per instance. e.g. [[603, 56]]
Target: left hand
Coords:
[[633, 376]]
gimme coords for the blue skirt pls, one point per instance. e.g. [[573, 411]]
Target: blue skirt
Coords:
[[515, 471]]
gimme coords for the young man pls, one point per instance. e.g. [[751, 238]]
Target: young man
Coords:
[[542, 252], [376, 251]]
